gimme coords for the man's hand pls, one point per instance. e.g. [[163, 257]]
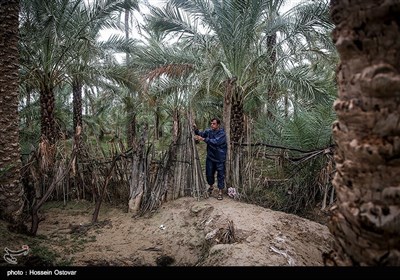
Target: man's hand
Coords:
[[199, 138]]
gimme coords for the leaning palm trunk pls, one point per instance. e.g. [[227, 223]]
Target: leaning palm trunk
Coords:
[[366, 222], [11, 191]]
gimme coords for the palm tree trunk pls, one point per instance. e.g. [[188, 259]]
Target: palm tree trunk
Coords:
[[365, 222], [28, 105], [131, 122], [77, 122], [77, 103], [272, 93], [47, 104], [234, 129], [237, 127], [157, 130], [11, 191], [131, 128], [227, 124]]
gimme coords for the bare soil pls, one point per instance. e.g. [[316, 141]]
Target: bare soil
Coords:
[[183, 232]]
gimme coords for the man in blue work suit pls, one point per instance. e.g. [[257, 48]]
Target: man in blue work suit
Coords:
[[215, 139]]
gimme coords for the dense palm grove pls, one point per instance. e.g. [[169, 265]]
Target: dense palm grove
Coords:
[[108, 117], [111, 119]]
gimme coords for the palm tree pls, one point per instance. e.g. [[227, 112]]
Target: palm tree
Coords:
[[366, 221], [56, 36], [11, 191], [238, 64], [131, 120], [88, 51]]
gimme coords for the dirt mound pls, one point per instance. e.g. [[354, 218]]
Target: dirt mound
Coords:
[[184, 232]]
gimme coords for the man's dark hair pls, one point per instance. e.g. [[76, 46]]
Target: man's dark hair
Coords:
[[216, 119]]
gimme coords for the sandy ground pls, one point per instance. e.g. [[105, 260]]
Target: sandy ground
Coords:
[[187, 232], [184, 232]]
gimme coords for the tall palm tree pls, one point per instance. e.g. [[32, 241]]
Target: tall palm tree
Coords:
[[235, 30], [366, 221], [131, 121], [55, 33], [11, 191]]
